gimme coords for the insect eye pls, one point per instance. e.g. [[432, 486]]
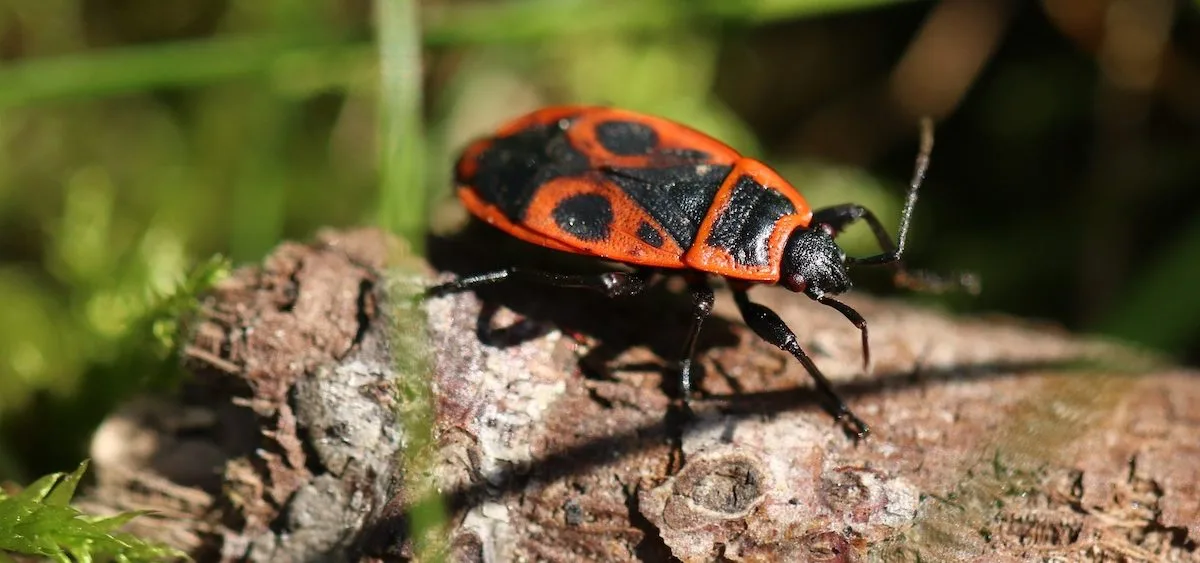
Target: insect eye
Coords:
[[795, 282]]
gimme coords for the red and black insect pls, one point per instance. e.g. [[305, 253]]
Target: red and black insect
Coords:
[[662, 197]]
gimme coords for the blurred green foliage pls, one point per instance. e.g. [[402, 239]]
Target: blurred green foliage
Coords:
[[139, 137]]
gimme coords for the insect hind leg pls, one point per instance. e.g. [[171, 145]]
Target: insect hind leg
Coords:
[[702, 304], [612, 284]]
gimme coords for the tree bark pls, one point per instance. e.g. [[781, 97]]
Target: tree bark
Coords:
[[557, 436]]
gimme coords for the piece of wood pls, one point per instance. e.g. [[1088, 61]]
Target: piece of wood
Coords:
[[993, 439]]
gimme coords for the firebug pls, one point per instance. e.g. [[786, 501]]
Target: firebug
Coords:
[[661, 197]]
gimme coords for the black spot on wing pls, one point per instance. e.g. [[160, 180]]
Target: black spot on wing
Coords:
[[649, 235], [626, 138], [677, 196], [587, 217], [746, 224], [514, 167]]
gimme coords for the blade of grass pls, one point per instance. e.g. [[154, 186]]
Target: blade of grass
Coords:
[[402, 201], [531, 20], [403, 210], [133, 69], [192, 63], [771, 10]]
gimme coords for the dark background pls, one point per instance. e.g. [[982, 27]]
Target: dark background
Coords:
[[141, 137]]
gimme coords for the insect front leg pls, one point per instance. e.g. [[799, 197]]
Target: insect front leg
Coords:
[[764, 322], [855, 318], [840, 217]]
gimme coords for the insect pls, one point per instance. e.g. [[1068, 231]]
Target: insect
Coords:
[[664, 198]]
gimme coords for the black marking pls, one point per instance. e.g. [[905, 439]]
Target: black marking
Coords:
[[649, 235], [587, 217], [746, 224], [675, 188], [677, 197], [626, 138], [514, 167]]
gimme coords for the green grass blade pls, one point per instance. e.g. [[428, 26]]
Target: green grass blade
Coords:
[[200, 62], [403, 200], [532, 20], [133, 69]]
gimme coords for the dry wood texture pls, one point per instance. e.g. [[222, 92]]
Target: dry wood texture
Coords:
[[993, 439]]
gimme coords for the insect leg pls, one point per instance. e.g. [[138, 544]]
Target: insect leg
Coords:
[[852, 316], [612, 284], [771, 328], [702, 304], [839, 217]]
